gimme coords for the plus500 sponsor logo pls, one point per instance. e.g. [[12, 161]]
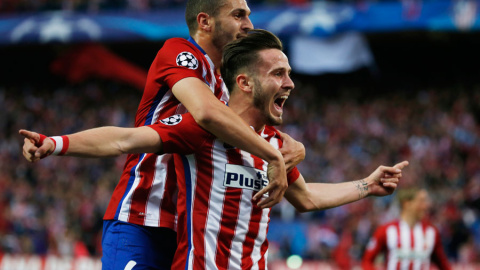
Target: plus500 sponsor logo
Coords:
[[238, 176]]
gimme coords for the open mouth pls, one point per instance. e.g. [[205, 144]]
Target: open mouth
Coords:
[[280, 101]]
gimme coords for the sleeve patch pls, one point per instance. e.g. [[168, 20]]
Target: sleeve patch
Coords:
[[172, 120], [187, 59]]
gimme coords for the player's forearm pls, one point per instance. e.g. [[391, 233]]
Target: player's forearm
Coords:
[[322, 196], [97, 142], [230, 128], [112, 141]]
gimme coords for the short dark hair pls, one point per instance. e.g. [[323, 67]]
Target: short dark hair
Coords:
[[242, 54], [194, 7]]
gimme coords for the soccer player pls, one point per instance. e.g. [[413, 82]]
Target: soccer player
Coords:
[[220, 224], [409, 242], [139, 223]]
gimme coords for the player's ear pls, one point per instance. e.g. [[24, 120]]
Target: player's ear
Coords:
[[244, 82], [204, 21]]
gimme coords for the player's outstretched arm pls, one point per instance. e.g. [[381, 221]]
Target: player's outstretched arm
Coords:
[[318, 196], [96, 142], [214, 116]]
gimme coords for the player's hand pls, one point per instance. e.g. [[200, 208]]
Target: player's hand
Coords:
[[277, 176], [384, 180], [33, 148], [293, 152]]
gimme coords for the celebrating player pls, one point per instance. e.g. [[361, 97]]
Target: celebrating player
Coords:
[[409, 242], [220, 224], [139, 224]]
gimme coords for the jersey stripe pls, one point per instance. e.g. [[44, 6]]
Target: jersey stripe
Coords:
[[225, 229], [126, 199], [203, 194], [144, 195], [229, 220]]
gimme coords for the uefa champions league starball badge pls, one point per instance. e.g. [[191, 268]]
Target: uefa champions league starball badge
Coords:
[[172, 120], [188, 60]]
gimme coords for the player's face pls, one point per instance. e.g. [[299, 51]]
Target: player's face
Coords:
[[272, 85], [231, 23], [421, 204]]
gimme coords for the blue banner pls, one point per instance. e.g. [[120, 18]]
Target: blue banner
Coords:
[[315, 19]]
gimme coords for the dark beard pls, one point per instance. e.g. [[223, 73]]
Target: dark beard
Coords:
[[260, 103]]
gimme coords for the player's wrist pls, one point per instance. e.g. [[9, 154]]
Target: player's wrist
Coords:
[[61, 144]]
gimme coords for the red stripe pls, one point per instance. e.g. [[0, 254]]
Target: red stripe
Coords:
[[249, 243], [201, 203], [66, 143], [399, 243], [412, 245], [40, 141], [142, 191], [121, 188], [253, 227], [180, 258], [263, 250], [168, 203], [228, 223]]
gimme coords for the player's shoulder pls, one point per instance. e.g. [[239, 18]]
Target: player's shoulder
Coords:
[[428, 224], [180, 44], [389, 224]]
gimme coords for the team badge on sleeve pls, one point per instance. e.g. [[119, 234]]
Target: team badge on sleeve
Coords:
[[188, 60], [172, 120]]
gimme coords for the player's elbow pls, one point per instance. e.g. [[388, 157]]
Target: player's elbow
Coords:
[[304, 206], [301, 208], [206, 116]]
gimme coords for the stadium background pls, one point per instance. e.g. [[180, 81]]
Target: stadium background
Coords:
[[370, 90]]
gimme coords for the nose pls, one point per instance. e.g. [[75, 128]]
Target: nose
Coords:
[[247, 24], [289, 84]]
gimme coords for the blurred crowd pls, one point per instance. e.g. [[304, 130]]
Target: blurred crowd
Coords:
[[56, 206], [20, 6]]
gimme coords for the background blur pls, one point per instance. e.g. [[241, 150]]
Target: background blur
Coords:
[[377, 82]]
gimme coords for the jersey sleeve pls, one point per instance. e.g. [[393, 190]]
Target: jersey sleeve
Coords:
[[375, 246], [178, 59], [438, 254], [293, 175], [180, 134]]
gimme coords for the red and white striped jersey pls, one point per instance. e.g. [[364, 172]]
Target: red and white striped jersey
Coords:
[[405, 247], [146, 192], [219, 226]]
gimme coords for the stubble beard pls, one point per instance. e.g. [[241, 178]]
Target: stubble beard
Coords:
[[260, 102]]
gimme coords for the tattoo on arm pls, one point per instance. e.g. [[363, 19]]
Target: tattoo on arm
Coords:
[[362, 188]]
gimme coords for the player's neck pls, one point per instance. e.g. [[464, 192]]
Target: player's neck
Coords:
[[204, 41], [244, 108], [410, 219]]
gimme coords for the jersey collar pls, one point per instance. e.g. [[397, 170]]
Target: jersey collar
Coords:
[[196, 45]]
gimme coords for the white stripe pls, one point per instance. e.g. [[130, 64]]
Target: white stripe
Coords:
[[243, 221], [418, 248], [405, 245], [192, 164], [392, 244], [127, 202], [225, 94], [430, 244], [161, 105], [217, 195], [261, 237], [130, 265], [58, 145], [154, 201]]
